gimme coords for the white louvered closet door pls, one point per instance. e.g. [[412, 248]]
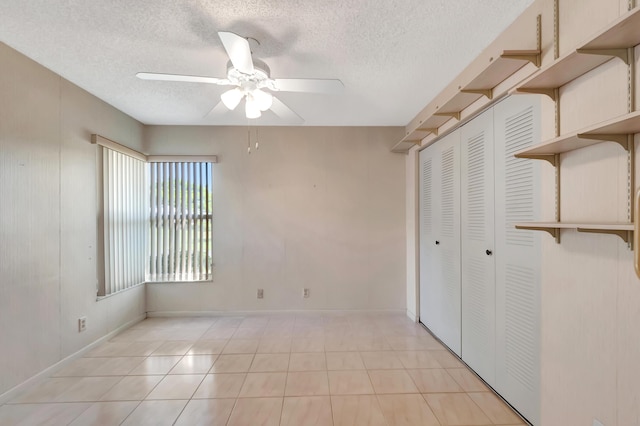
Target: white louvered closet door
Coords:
[[517, 126], [478, 260], [429, 273], [442, 290]]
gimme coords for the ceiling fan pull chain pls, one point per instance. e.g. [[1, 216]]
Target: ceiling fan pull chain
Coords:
[[248, 141], [257, 139]]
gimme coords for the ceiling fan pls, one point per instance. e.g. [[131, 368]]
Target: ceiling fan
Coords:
[[252, 81]]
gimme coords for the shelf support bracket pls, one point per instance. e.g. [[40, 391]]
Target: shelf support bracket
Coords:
[[455, 114], [433, 130], [488, 93], [551, 158], [619, 138], [554, 232], [619, 53], [533, 56], [548, 92], [627, 236]]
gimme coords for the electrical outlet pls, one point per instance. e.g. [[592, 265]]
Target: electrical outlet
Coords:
[[305, 293], [597, 422], [82, 324], [260, 293]]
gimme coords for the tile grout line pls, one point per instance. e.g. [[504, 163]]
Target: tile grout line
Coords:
[[189, 399], [131, 412]]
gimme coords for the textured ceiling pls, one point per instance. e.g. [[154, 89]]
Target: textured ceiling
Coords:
[[393, 56]]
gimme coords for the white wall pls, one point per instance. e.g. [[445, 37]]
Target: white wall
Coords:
[[322, 208], [48, 219]]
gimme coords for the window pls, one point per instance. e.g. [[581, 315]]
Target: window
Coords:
[[154, 217], [180, 221], [122, 221]]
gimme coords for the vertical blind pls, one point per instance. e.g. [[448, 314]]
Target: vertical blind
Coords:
[[180, 221], [123, 221]]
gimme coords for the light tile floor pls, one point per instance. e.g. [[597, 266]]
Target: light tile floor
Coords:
[[294, 370]]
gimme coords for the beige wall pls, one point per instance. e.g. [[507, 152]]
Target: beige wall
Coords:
[[590, 303], [590, 295], [48, 219], [321, 208]]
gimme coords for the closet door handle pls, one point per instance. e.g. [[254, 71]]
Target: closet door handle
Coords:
[[489, 252], [437, 242]]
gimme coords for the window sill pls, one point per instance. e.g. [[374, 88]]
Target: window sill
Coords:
[[124, 290], [210, 281]]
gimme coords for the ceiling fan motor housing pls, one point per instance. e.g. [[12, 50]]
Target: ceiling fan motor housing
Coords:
[[257, 80]]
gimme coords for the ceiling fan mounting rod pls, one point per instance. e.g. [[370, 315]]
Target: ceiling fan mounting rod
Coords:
[[258, 79], [254, 39]]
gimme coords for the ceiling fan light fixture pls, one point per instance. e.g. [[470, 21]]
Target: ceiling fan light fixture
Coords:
[[252, 109], [231, 98], [263, 99]]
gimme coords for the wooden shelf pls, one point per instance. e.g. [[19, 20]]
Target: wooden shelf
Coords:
[[560, 72], [620, 34], [508, 63], [404, 146], [414, 138], [605, 226], [502, 68], [409, 141], [498, 70], [623, 230], [460, 101], [432, 123], [614, 130], [613, 41]]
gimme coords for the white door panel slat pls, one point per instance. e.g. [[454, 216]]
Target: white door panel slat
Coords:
[[517, 268], [478, 268], [440, 240], [427, 238]]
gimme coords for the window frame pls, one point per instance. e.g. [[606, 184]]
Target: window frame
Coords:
[[102, 142], [207, 218]]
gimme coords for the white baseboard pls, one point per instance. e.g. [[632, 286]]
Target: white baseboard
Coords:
[[170, 314], [17, 390], [413, 317]]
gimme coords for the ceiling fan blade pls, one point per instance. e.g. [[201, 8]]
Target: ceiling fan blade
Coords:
[[184, 78], [239, 51], [217, 111], [308, 85], [284, 112]]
